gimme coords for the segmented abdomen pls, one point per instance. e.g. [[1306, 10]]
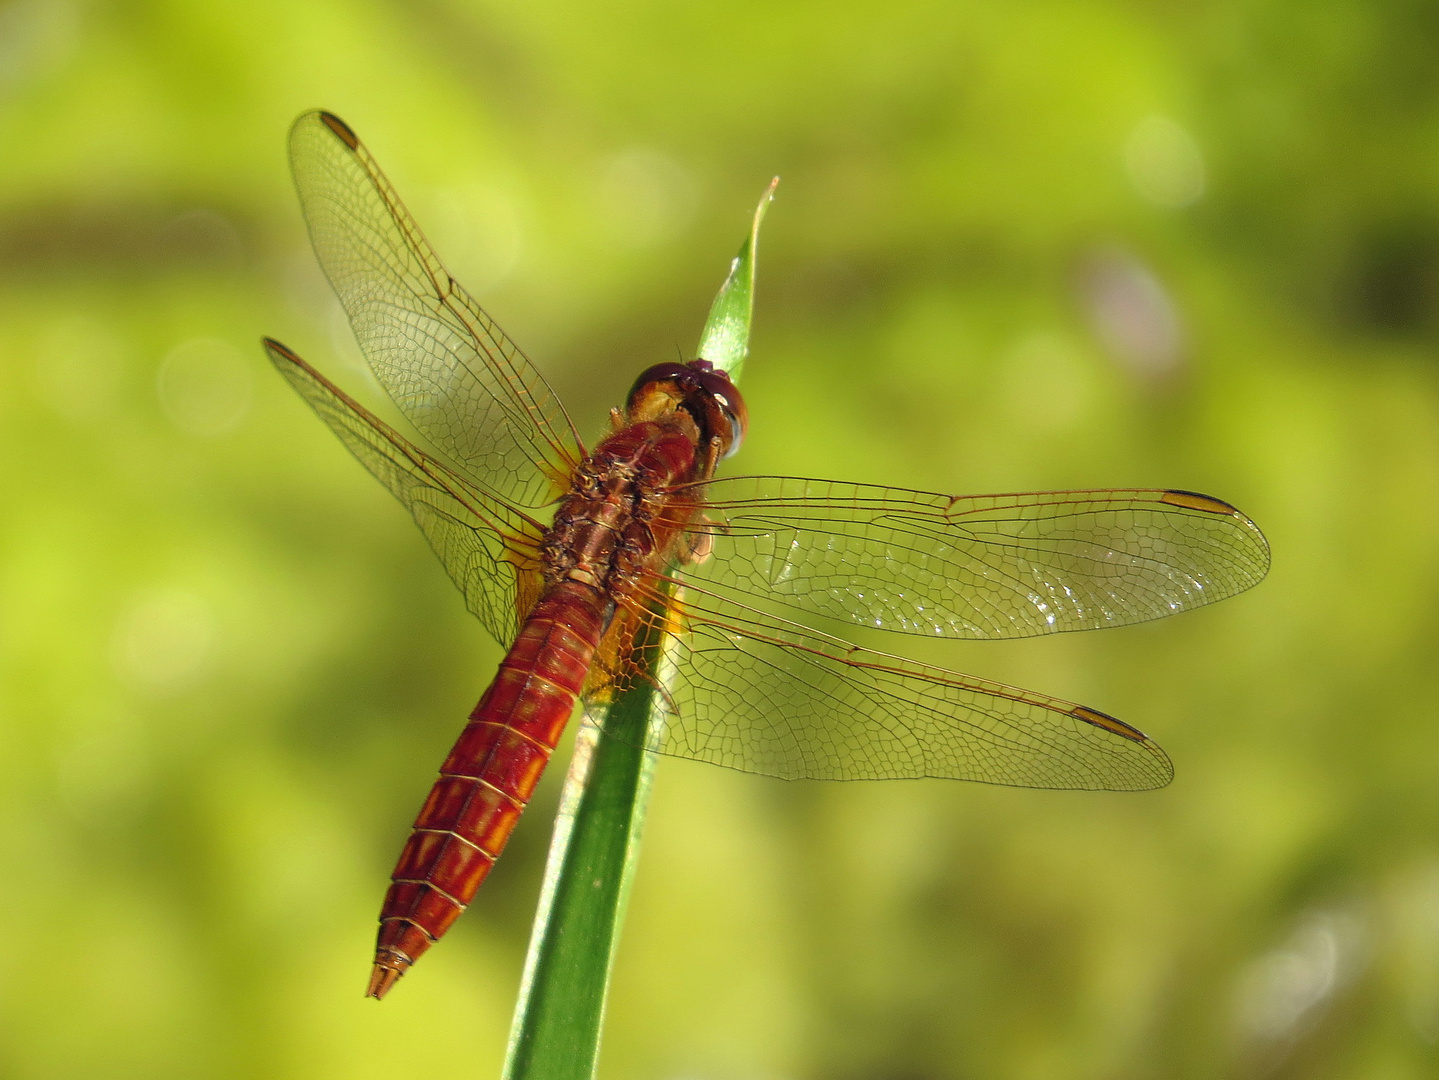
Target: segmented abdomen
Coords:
[[486, 781]]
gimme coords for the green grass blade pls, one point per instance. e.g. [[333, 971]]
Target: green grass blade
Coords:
[[556, 1030], [725, 340]]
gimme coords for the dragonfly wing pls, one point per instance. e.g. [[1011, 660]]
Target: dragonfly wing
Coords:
[[488, 547], [452, 372], [766, 696], [978, 566]]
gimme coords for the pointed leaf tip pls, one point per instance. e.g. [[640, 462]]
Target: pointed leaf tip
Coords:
[[725, 339]]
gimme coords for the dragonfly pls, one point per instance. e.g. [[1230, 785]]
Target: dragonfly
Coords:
[[570, 556]]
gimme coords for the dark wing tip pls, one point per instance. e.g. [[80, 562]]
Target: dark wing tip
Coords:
[[1193, 500], [276, 347], [281, 356], [1160, 770], [1108, 723], [340, 128]]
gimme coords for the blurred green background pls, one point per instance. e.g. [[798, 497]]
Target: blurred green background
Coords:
[[1016, 247]]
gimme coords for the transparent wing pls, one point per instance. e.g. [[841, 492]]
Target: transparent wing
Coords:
[[450, 369], [767, 696], [979, 566], [488, 547]]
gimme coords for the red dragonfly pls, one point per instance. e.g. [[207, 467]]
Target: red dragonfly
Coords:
[[643, 513]]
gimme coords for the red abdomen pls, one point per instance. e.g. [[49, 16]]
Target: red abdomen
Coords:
[[486, 781]]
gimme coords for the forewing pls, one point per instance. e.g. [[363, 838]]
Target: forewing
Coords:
[[766, 696], [978, 566], [488, 547], [450, 369]]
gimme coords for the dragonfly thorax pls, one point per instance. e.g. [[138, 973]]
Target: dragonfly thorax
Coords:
[[620, 516]]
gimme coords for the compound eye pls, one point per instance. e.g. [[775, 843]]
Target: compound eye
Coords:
[[697, 387], [724, 400], [658, 373]]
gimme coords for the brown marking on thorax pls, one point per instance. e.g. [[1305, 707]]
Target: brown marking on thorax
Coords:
[[619, 518]]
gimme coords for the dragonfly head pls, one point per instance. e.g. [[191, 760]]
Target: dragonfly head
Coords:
[[701, 390]]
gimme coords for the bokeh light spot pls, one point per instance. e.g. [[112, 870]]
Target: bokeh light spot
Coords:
[[1133, 314], [1164, 163], [648, 195], [205, 387], [1284, 988], [164, 642]]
